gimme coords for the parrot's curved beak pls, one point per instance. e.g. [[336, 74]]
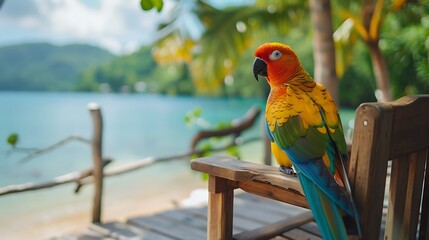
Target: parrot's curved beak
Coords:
[[259, 68]]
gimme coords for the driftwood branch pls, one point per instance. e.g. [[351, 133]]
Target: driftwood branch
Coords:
[[67, 178], [152, 160], [82, 178], [235, 130], [36, 152]]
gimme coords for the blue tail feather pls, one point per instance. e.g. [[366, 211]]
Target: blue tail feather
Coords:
[[317, 173], [325, 212]]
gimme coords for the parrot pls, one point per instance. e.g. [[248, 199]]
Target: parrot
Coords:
[[307, 138]]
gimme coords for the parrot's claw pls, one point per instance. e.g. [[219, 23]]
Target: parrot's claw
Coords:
[[287, 170]]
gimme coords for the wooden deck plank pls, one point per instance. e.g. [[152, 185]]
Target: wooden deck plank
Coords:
[[250, 213], [311, 227], [200, 222], [187, 218], [243, 219], [298, 234], [275, 229], [122, 231], [85, 235], [257, 214], [172, 229], [279, 238], [239, 224], [254, 212]]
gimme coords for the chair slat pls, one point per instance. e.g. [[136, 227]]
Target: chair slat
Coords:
[[397, 197], [410, 130], [424, 216], [371, 141], [405, 196], [414, 193]]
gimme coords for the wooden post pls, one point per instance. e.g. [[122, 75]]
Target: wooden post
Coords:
[[97, 160], [266, 143]]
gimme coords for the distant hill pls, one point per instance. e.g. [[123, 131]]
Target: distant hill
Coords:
[[47, 67], [137, 72]]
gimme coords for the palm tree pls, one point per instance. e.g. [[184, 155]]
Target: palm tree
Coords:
[[323, 43]]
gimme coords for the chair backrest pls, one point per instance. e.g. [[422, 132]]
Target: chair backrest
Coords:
[[398, 132]]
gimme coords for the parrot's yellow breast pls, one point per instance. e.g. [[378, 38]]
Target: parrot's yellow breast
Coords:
[[292, 101], [281, 157]]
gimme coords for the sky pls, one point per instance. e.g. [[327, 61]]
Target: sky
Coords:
[[117, 25]]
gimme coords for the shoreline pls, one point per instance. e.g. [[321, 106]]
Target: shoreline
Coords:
[[70, 214]]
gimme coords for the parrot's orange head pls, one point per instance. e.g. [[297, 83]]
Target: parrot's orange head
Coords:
[[276, 62]]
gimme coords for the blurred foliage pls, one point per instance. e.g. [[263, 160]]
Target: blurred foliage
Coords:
[[194, 118], [152, 4], [206, 146], [213, 44], [401, 29], [405, 43], [345, 38], [13, 139]]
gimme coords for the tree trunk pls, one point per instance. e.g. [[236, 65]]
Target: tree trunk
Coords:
[[323, 43], [379, 67], [383, 92]]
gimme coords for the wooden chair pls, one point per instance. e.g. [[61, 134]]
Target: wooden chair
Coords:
[[396, 131]]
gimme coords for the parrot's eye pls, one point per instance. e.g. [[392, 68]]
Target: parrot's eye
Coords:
[[276, 54]]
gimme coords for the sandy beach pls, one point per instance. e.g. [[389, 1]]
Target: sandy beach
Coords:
[[55, 212]]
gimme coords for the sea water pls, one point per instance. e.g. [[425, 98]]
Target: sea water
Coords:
[[135, 126]]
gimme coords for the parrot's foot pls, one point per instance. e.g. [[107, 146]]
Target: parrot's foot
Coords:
[[287, 170]]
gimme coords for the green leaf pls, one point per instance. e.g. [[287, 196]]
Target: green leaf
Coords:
[[205, 176], [345, 38], [192, 116], [187, 119], [146, 4], [149, 4], [223, 125], [197, 112], [158, 4], [12, 139], [233, 151]]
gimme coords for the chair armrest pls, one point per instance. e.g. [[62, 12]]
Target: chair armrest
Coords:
[[262, 180]]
